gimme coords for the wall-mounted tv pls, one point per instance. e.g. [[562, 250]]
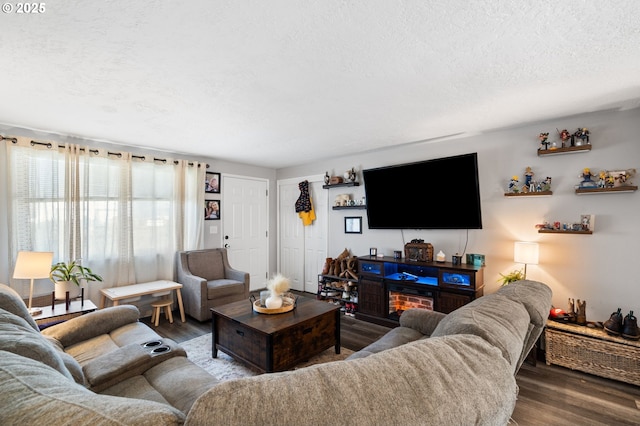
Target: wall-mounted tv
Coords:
[[442, 193]]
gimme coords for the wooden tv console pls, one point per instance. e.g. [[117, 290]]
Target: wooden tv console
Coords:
[[448, 286]]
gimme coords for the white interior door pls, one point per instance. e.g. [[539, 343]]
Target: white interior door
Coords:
[[291, 236], [245, 225], [315, 237], [301, 249]]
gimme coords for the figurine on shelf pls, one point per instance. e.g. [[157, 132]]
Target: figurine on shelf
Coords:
[[544, 225], [564, 137], [546, 184], [583, 135], [528, 183], [350, 175], [327, 178], [544, 142], [609, 181], [513, 185], [586, 179], [602, 179], [623, 176]]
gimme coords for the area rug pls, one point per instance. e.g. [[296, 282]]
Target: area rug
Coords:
[[226, 368]]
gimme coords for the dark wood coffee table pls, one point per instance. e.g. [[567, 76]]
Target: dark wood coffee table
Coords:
[[275, 342]]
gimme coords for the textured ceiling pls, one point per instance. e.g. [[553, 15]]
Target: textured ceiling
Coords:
[[279, 83]]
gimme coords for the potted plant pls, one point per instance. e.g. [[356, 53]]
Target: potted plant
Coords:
[[64, 274], [511, 277]]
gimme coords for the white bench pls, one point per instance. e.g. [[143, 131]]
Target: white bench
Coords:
[[116, 294]]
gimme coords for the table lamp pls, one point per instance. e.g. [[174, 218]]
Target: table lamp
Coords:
[[527, 253], [33, 265]]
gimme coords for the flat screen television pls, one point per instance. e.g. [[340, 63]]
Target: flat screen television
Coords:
[[442, 193]]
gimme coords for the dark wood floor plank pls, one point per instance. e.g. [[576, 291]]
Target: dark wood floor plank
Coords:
[[574, 407], [567, 394]]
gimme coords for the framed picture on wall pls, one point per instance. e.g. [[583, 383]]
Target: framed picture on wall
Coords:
[[212, 183], [212, 210], [353, 225]]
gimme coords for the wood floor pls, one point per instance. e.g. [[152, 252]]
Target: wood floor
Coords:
[[549, 395]]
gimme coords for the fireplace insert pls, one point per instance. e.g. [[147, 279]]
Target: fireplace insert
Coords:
[[403, 296]]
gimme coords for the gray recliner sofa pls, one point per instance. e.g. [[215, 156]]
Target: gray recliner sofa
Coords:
[[416, 324], [434, 369], [104, 367], [208, 280]]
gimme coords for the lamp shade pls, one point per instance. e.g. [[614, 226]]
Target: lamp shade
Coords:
[[33, 264], [524, 252]]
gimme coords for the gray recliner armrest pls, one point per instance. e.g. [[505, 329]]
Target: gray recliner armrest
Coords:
[[421, 320], [128, 361], [92, 324]]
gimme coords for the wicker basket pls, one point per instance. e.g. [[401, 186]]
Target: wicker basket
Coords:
[[594, 352]]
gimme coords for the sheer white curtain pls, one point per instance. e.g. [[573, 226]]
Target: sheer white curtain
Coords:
[[124, 217], [190, 179]]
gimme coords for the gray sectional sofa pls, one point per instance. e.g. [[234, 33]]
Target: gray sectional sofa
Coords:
[[103, 368], [434, 369]]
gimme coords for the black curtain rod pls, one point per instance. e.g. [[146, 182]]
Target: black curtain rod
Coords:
[[95, 151]]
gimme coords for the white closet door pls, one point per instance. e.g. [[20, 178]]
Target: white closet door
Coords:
[[301, 249]]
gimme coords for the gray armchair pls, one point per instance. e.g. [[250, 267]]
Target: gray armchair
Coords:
[[208, 280]]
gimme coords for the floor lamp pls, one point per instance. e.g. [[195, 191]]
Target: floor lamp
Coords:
[[33, 265], [526, 253]]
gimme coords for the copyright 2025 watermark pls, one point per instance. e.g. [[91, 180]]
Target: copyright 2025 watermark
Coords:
[[24, 8]]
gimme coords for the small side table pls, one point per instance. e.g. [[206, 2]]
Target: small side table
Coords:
[[593, 351], [60, 313]]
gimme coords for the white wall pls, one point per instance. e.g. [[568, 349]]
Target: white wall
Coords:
[[598, 268]]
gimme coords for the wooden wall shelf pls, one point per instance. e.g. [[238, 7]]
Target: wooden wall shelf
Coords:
[[360, 207], [565, 150], [560, 231], [335, 185], [629, 188], [528, 194]]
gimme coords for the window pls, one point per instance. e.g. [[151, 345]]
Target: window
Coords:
[[124, 217]]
